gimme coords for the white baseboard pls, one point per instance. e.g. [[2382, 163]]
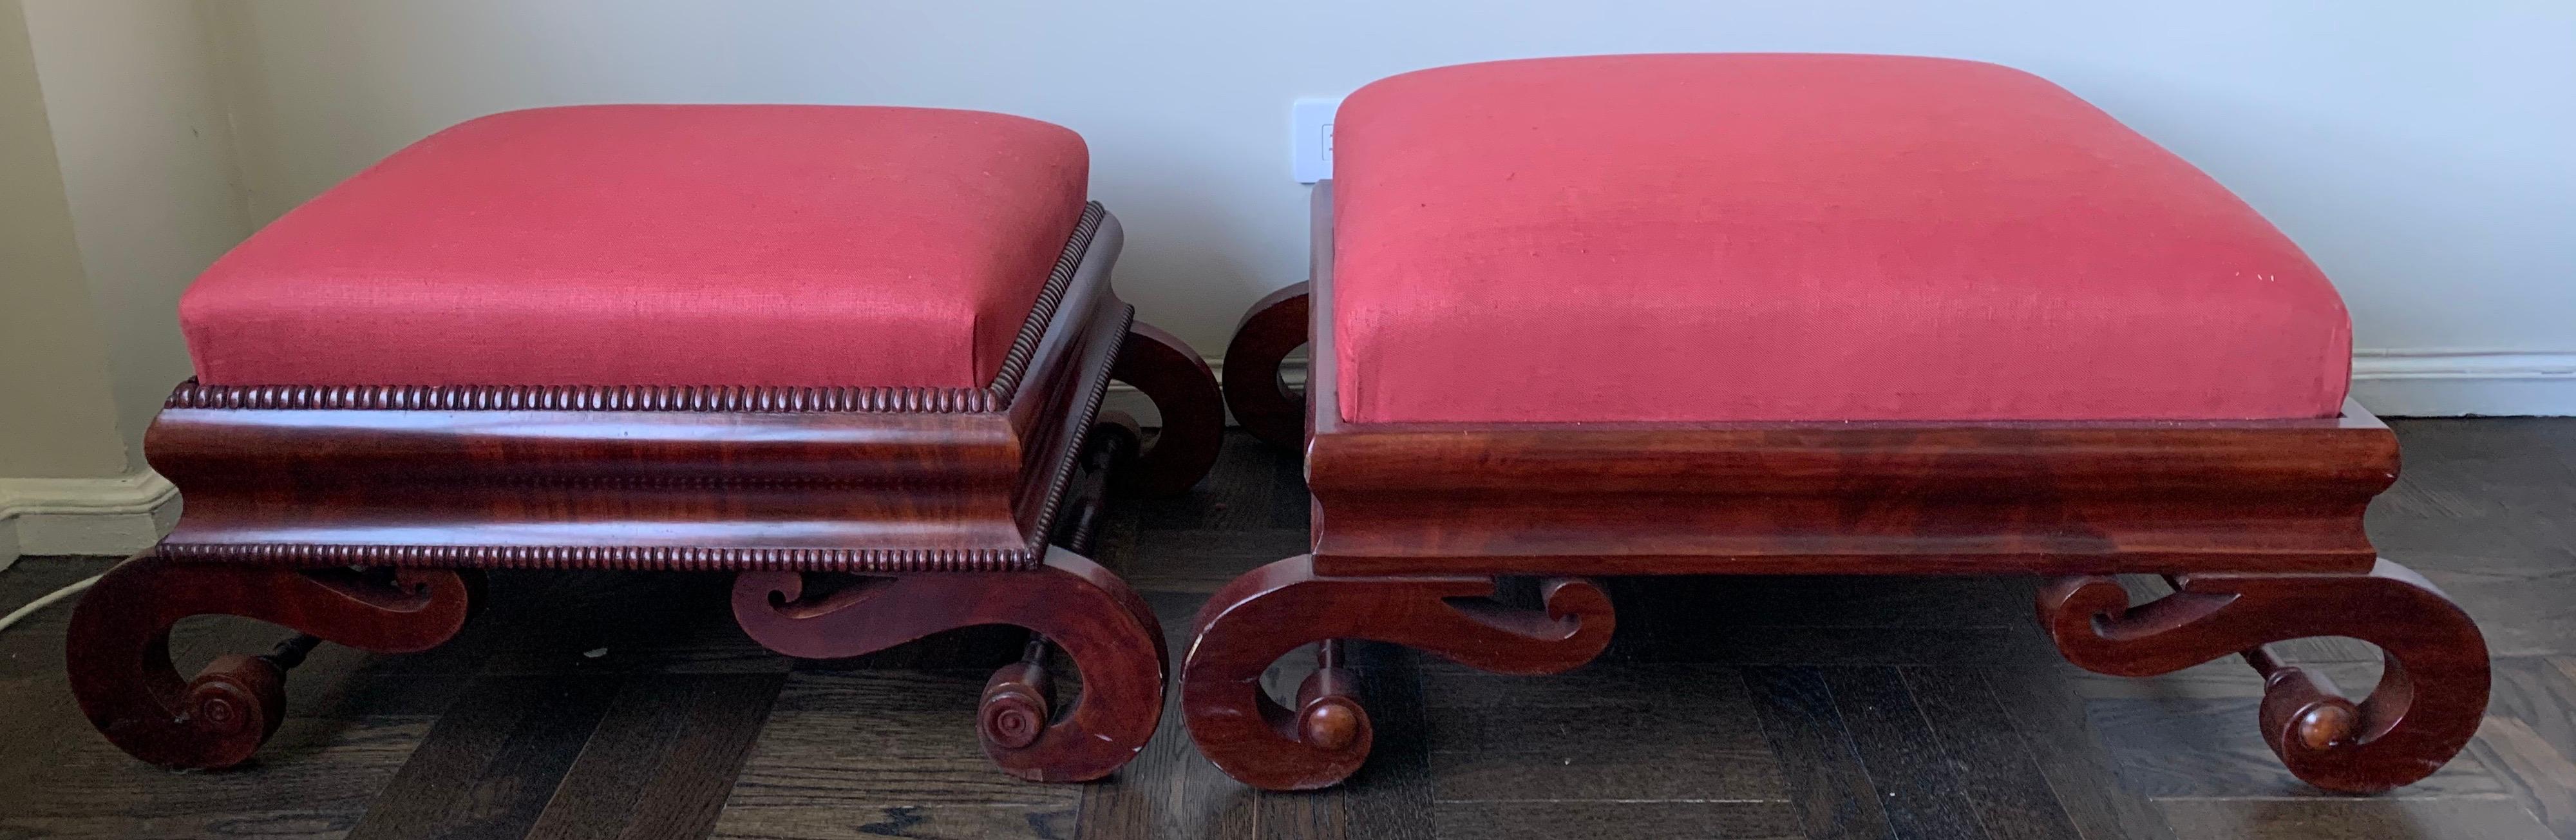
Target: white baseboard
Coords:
[[2452, 383], [85, 516], [2391, 383]]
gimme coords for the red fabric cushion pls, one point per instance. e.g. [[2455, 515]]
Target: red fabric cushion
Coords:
[[657, 245], [1799, 237]]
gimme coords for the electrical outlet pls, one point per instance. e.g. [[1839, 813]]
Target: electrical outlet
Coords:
[[1310, 141]]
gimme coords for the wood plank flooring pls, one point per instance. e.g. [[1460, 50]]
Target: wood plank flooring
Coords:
[[628, 706]]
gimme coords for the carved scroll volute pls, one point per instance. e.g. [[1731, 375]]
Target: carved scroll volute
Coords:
[[1273, 610], [2428, 703]]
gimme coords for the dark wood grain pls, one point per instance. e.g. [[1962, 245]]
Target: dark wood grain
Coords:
[[1827, 784], [2530, 737], [1617, 821], [2082, 775], [2378, 819], [1623, 733], [1985, 759], [879, 752], [93, 790], [491, 765], [661, 760], [1838, 498], [1921, 793]]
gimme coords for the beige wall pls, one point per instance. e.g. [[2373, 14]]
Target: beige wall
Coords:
[[57, 415], [2417, 150], [116, 187], [146, 152]]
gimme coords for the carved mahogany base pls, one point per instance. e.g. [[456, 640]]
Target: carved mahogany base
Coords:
[[1182, 388], [2426, 708], [1274, 327], [1070, 602], [1411, 517], [1270, 611], [119, 646]]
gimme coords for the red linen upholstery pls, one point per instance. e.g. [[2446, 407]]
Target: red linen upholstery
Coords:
[[657, 245], [1799, 237]]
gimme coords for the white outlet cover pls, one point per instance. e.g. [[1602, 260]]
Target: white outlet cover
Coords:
[[1310, 142]]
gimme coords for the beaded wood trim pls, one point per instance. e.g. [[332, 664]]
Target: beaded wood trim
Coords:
[[995, 396], [690, 558]]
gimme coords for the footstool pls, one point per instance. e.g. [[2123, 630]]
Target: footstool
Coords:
[[1809, 314], [853, 355]]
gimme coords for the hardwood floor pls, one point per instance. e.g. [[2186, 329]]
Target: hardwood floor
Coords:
[[628, 705]]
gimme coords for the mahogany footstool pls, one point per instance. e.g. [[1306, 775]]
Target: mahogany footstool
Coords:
[[854, 355], [1806, 314]]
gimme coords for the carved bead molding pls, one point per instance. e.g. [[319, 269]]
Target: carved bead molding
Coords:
[[685, 558], [718, 398], [607, 557]]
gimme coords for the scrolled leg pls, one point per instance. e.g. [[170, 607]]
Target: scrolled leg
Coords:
[[1274, 327], [1070, 601], [118, 647], [1182, 388], [1270, 611], [2428, 704]]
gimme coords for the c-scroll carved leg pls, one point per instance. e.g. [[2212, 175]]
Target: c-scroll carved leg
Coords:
[[2428, 704], [1072, 602], [1182, 388], [1270, 611], [1270, 330], [118, 647]]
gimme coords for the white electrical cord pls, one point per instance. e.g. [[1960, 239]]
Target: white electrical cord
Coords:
[[47, 601]]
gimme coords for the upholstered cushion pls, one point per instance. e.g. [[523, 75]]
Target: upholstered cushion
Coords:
[[1799, 237], [657, 245]]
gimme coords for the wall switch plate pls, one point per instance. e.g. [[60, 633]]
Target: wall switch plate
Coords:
[[1311, 138]]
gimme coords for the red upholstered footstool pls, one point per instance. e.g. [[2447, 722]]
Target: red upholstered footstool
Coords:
[[852, 354], [1810, 314]]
